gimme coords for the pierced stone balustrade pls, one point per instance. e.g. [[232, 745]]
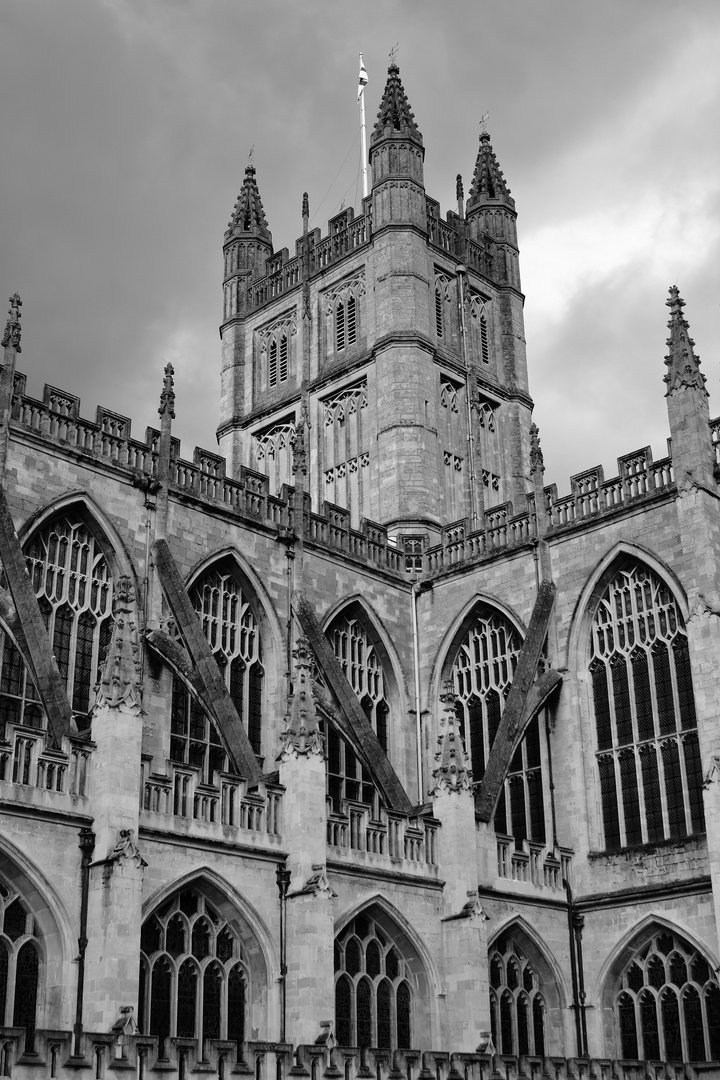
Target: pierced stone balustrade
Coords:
[[392, 836]]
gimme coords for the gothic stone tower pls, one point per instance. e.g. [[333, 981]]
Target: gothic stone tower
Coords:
[[396, 343]]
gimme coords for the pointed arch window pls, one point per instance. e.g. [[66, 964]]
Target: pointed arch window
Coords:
[[517, 1003], [482, 673], [74, 587], [442, 297], [346, 322], [373, 989], [278, 360], [233, 634], [648, 757], [347, 776], [193, 973], [19, 965], [667, 1004]]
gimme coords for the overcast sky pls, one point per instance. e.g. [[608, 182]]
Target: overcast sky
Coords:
[[126, 126]]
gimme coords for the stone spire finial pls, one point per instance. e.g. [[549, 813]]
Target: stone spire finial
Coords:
[[537, 464], [248, 214], [121, 678], [452, 771], [395, 113], [682, 363], [11, 336], [302, 735], [488, 182], [167, 397], [305, 205]]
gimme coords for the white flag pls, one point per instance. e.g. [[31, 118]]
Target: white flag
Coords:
[[362, 78]]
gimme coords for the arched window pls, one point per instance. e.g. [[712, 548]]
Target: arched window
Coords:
[[373, 995], [647, 747], [347, 777], [277, 355], [345, 322], [19, 965], [481, 674], [439, 313], [232, 632], [668, 1003], [517, 1004], [193, 973], [73, 584]]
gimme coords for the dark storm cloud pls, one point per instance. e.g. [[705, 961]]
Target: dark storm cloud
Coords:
[[126, 126]]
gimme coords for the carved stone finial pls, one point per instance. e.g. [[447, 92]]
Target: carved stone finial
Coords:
[[459, 188], [121, 684], [299, 445], [452, 771], [537, 463], [167, 397], [302, 735], [488, 181], [11, 336], [681, 360], [305, 205], [395, 113]]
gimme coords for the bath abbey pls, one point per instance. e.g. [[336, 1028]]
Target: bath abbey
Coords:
[[350, 749]]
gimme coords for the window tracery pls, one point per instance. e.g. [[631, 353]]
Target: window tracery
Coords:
[[19, 964], [193, 973], [453, 442], [275, 344], [648, 756], [232, 632], [668, 1003], [442, 297], [273, 451], [482, 673], [74, 587], [489, 446], [517, 1003], [346, 451], [342, 309], [347, 777], [373, 992]]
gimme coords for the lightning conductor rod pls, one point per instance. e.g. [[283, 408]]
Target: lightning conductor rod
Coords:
[[363, 129]]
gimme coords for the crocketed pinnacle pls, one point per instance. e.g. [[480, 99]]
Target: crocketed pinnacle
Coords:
[[121, 678], [537, 463], [248, 214], [395, 113], [451, 772], [682, 363], [488, 182], [302, 735]]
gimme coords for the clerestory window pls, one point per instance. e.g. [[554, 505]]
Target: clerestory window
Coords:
[[233, 634], [193, 973], [668, 1003], [73, 584], [648, 757], [481, 675]]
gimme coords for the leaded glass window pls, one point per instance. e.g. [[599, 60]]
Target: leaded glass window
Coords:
[[517, 1004], [19, 964], [233, 634], [347, 776], [648, 756], [373, 996], [668, 1003], [73, 584], [482, 674], [193, 973]]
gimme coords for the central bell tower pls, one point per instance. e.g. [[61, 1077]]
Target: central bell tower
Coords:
[[394, 345]]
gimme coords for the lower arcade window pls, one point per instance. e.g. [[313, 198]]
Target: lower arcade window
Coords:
[[373, 999], [517, 1005], [193, 976], [19, 965], [668, 1005]]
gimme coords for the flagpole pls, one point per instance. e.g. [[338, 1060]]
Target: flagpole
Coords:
[[363, 133]]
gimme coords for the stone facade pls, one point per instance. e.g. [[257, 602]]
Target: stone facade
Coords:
[[355, 749]]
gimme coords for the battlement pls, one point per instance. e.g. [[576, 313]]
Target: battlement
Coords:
[[107, 440]]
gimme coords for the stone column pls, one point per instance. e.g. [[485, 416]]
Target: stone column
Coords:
[[116, 877], [464, 933], [309, 975]]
